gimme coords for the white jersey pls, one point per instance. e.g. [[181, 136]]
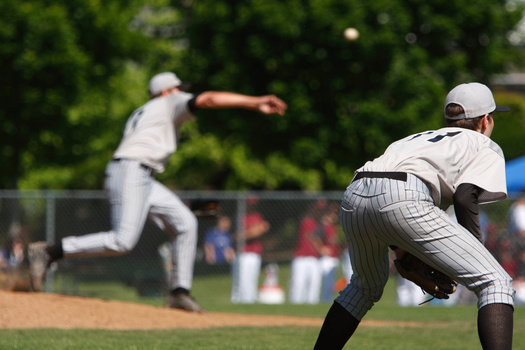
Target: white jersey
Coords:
[[152, 131], [445, 159]]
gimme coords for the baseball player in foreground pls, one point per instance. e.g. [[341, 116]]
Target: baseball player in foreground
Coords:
[[150, 137], [395, 201]]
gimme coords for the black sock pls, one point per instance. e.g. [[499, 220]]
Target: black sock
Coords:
[[55, 252], [338, 327], [495, 326], [179, 291]]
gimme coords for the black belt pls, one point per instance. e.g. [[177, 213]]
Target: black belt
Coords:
[[395, 175], [144, 166]]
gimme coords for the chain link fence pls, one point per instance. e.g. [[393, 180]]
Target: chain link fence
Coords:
[[28, 216]]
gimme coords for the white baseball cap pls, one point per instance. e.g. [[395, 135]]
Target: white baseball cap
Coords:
[[164, 81], [475, 98]]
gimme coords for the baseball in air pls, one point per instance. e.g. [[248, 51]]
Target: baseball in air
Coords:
[[351, 34]]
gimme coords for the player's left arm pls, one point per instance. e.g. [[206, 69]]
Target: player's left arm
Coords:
[[466, 207], [269, 104]]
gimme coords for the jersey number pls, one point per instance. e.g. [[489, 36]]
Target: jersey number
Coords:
[[133, 120], [438, 137]]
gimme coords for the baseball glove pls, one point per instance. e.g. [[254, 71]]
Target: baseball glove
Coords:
[[205, 208], [432, 281]]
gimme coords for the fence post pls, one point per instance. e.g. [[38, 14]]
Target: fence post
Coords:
[[239, 220], [50, 235]]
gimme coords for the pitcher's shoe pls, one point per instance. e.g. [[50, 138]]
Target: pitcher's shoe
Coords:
[[39, 261], [184, 302]]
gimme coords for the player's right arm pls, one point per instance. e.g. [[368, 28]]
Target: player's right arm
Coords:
[[268, 104], [466, 207]]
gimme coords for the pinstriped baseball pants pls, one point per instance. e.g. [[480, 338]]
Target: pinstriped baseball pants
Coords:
[[134, 195], [378, 212]]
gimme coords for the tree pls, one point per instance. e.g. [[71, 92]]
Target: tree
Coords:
[[52, 55], [348, 101], [74, 70]]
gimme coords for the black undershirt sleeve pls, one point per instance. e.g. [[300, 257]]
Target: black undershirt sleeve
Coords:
[[466, 207], [191, 103]]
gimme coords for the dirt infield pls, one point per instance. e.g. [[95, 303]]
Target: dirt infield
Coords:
[[39, 310]]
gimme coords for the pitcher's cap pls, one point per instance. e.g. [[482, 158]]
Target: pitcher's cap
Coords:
[[165, 80], [475, 98]]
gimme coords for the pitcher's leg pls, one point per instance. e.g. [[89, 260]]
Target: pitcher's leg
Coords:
[[128, 187], [169, 212]]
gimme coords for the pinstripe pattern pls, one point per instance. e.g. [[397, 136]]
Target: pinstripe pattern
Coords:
[[135, 195], [174, 217], [376, 213]]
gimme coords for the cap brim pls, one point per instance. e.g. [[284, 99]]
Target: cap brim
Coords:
[[185, 86], [502, 109]]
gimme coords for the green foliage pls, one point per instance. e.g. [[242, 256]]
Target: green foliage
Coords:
[[207, 162], [73, 71], [347, 101], [509, 127], [56, 54]]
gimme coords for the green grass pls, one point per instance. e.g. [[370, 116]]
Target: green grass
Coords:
[[454, 335], [441, 327]]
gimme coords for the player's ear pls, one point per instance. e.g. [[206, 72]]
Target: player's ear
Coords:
[[483, 123], [487, 119]]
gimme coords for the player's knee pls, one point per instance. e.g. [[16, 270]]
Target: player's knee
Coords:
[[119, 242], [358, 301], [123, 247], [189, 224], [497, 291]]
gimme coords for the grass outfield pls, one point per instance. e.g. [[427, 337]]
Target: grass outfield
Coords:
[[442, 327], [453, 334], [457, 335]]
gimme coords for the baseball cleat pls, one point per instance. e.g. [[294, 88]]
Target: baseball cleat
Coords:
[[184, 302], [38, 264]]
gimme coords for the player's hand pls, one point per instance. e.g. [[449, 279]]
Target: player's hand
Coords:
[[271, 104]]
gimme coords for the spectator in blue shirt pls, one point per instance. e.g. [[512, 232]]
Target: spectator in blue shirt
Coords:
[[218, 243]]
